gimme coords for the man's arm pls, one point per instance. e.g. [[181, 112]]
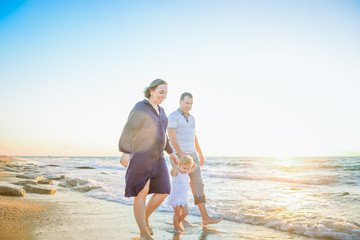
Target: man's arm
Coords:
[[193, 168], [174, 143], [198, 150]]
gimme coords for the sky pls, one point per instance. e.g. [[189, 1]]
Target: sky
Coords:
[[269, 78]]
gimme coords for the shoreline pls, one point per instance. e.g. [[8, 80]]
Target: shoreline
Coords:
[[68, 214], [45, 216], [17, 213]]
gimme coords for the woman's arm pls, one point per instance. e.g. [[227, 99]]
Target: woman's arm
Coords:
[[135, 121], [168, 147], [125, 159], [132, 126]]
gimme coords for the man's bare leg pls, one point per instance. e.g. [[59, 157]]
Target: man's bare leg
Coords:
[[206, 219]]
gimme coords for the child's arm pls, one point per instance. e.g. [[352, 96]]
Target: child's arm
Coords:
[[193, 168], [174, 170]]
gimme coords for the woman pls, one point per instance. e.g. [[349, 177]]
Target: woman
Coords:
[[142, 142]]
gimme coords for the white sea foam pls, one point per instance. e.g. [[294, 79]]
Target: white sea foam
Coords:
[[293, 198], [324, 180], [106, 164], [306, 224], [311, 225]]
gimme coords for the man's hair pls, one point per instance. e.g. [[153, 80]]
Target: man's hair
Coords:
[[186, 94]]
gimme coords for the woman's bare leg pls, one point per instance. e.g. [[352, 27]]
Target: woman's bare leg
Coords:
[[152, 205], [140, 209]]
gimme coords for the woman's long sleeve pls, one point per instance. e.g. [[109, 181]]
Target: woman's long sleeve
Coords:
[[132, 126], [168, 147]]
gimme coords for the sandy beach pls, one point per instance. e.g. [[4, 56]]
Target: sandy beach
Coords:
[[82, 198], [63, 215], [70, 215]]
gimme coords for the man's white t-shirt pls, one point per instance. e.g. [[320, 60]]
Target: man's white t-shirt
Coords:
[[185, 130]]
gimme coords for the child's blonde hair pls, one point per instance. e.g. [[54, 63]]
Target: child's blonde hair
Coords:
[[186, 160]]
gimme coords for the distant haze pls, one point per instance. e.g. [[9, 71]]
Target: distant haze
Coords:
[[269, 78]]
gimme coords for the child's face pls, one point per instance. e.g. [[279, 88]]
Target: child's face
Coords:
[[184, 168]]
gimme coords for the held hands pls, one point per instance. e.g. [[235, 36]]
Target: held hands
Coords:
[[125, 159], [174, 158]]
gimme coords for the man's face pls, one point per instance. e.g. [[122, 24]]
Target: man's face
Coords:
[[186, 104]]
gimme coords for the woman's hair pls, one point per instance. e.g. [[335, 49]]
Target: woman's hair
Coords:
[[153, 85], [186, 160]]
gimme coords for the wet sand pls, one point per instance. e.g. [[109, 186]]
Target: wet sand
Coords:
[[64, 215], [71, 215]]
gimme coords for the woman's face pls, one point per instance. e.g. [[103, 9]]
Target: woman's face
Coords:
[[159, 94]]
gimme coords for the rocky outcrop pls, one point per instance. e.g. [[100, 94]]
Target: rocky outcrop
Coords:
[[78, 185], [11, 191], [40, 190], [70, 183], [45, 181], [53, 165], [85, 167], [31, 176], [86, 188], [23, 183], [52, 177], [10, 169]]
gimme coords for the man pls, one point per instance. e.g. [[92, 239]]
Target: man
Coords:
[[181, 132]]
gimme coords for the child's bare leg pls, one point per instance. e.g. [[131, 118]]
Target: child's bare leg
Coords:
[[184, 213], [181, 228], [177, 213]]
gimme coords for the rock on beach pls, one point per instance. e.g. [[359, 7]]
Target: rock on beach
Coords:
[[11, 191], [40, 190], [45, 181], [30, 176], [23, 183]]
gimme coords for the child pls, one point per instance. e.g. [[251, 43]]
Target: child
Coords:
[[178, 198]]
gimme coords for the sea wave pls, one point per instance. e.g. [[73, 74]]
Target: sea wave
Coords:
[[324, 180], [107, 164], [307, 224]]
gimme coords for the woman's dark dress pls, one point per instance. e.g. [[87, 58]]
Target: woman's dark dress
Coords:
[[144, 138]]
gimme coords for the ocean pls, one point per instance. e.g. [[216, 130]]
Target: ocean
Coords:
[[289, 198]]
